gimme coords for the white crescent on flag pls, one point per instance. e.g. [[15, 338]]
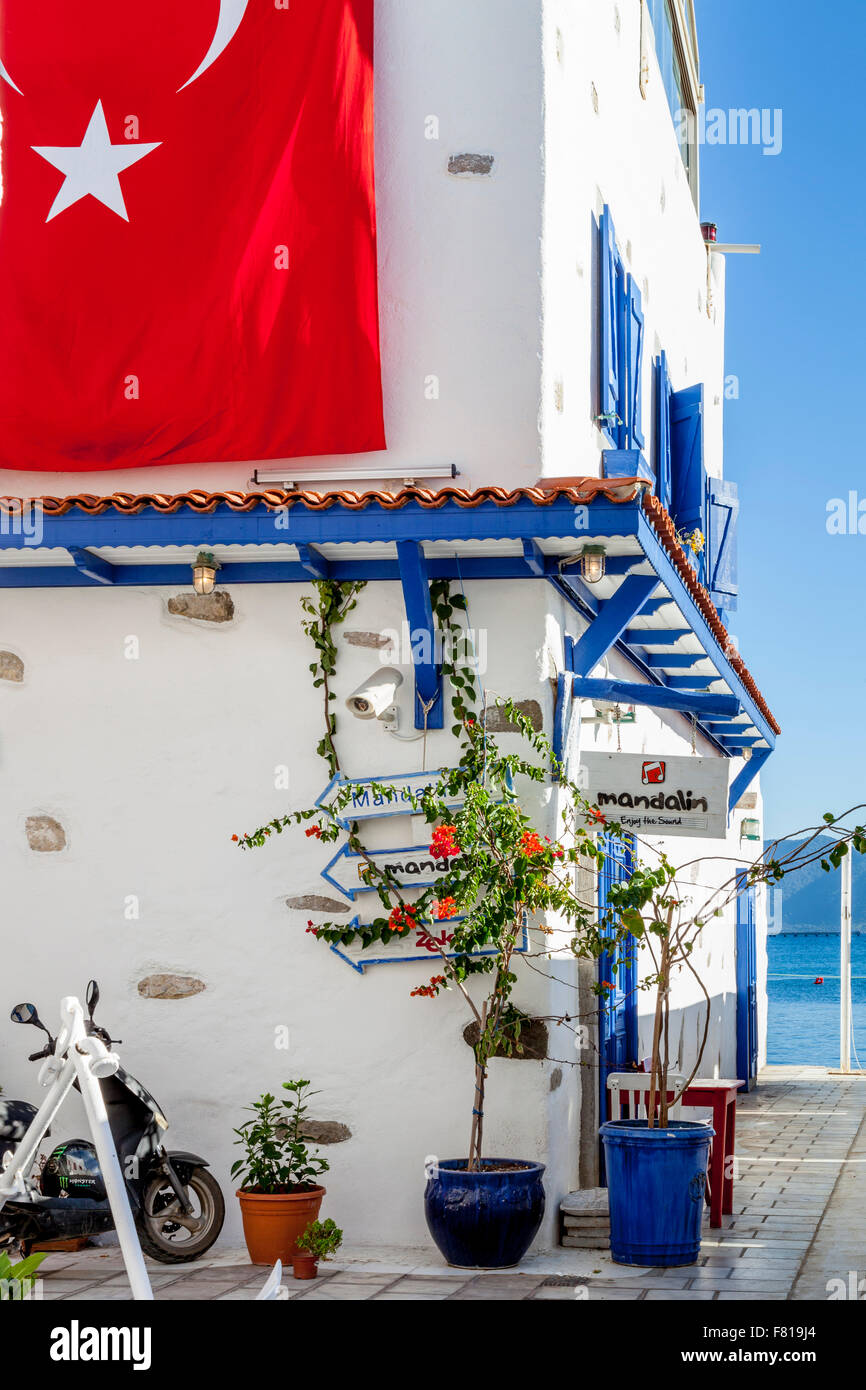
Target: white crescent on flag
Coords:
[[6, 78], [230, 16]]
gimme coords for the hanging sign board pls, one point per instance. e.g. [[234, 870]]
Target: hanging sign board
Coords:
[[659, 796]]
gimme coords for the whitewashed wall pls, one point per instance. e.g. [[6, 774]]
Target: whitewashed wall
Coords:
[[150, 764]]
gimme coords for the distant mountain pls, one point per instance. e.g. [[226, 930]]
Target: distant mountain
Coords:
[[810, 897]]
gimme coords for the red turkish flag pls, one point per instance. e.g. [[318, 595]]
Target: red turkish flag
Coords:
[[187, 232]]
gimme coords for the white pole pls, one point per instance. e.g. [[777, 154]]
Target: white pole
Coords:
[[845, 969], [85, 1052]]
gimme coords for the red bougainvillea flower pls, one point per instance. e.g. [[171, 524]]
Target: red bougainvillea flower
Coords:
[[530, 843], [444, 909], [311, 930], [606, 984], [235, 838], [596, 818], [402, 919], [428, 991], [314, 830], [444, 843]]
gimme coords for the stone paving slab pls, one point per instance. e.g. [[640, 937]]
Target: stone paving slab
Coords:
[[799, 1223]]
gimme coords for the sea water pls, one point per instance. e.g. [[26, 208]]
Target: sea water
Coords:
[[803, 1016]]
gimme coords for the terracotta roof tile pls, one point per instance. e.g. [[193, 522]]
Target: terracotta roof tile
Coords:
[[127, 503], [577, 490]]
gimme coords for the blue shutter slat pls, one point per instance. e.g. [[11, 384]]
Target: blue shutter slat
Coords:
[[724, 511], [610, 326], [634, 357], [663, 431], [688, 472]]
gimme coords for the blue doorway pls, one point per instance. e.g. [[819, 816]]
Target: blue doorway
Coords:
[[747, 989], [617, 1014]]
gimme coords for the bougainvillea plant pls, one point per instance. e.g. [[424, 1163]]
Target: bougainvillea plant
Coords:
[[497, 874]]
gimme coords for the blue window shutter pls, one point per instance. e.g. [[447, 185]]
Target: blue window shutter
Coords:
[[634, 330], [610, 325], [688, 471], [724, 511], [663, 431]]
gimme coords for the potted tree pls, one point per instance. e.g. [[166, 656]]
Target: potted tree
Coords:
[[657, 1167], [498, 875], [320, 1241], [279, 1194]]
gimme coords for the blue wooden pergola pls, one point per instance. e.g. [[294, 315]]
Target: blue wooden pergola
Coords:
[[649, 607]]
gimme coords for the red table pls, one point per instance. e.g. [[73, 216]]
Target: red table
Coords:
[[721, 1097]]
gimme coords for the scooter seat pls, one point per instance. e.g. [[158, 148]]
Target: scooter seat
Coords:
[[16, 1116]]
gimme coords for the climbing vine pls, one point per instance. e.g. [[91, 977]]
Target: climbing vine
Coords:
[[335, 602]]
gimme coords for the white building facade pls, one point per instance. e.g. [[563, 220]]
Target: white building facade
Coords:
[[553, 333]]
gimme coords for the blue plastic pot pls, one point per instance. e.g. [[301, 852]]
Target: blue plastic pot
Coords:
[[485, 1220], [657, 1181]]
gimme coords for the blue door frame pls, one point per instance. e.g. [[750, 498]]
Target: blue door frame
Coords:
[[617, 1015], [747, 989]]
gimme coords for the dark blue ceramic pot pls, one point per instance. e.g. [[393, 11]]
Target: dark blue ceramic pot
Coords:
[[485, 1220]]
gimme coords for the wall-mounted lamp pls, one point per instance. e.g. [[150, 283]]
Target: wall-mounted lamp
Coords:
[[204, 572], [750, 830], [593, 563]]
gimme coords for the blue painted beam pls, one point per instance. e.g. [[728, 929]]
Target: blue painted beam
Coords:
[[429, 709], [654, 696], [675, 661], [690, 682], [314, 562], [746, 777], [655, 637], [539, 564], [295, 523], [612, 620], [615, 565], [669, 575], [93, 567], [734, 743]]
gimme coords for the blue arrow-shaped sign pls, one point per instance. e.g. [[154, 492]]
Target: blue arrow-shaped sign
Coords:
[[406, 951], [368, 803], [413, 867]]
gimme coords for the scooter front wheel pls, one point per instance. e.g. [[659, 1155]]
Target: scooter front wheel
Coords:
[[167, 1232]]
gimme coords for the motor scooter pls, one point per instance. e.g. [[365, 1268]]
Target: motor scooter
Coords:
[[177, 1205]]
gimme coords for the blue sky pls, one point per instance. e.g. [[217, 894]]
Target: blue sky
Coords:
[[796, 342]]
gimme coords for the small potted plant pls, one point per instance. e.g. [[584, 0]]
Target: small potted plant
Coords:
[[279, 1194], [320, 1241]]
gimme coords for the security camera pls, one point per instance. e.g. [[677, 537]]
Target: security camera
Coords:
[[375, 697]]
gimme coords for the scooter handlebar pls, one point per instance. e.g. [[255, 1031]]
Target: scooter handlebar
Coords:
[[47, 1051]]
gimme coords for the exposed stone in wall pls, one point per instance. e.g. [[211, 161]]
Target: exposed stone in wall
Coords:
[[375, 640], [217, 607], [477, 164], [11, 667], [45, 834], [311, 902], [533, 1040], [497, 722], [556, 1079], [170, 986], [326, 1132]]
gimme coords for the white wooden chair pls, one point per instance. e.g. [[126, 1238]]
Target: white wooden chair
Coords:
[[632, 1089]]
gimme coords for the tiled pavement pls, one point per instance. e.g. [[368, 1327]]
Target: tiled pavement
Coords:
[[799, 1222]]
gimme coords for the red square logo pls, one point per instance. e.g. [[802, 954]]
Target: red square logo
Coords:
[[653, 774]]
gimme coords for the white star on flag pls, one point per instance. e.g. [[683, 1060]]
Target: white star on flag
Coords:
[[93, 166]]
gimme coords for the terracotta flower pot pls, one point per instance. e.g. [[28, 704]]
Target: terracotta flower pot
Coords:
[[305, 1266], [275, 1221]]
